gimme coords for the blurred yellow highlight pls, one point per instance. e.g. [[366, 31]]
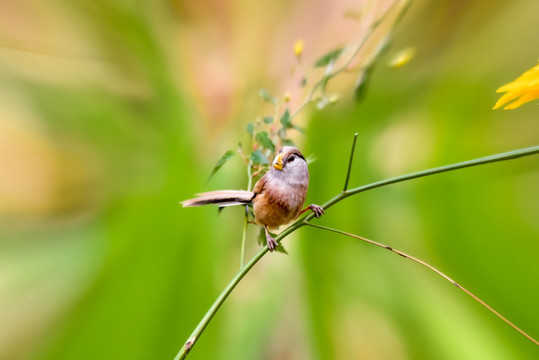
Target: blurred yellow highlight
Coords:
[[286, 97], [298, 47], [525, 88], [402, 58]]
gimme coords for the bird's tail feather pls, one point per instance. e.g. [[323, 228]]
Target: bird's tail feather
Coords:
[[221, 198]]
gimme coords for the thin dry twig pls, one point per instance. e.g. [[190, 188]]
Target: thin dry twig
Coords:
[[430, 267]]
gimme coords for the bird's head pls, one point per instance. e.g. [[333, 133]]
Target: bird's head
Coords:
[[290, 163]]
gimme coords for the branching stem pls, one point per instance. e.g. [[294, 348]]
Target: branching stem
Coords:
[[325, 79], [305, 221], [461, 165]]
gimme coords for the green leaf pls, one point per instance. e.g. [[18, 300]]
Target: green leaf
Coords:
[[281, 249], [258, 158], [329, 57], [300, 129], [261, 238], [264, 140], [265, 95], [227, 156], [285, 120], [250, 128], [268, 119], [362, 83]]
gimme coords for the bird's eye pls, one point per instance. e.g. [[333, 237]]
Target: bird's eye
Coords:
[[291, 158]]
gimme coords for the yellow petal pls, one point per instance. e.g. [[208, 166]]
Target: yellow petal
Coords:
[[507, 98], [524, 89], [529, 96]]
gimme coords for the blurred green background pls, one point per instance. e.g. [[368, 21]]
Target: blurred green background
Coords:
[[111, 112]]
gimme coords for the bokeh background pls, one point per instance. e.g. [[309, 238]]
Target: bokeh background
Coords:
[[111, 112]]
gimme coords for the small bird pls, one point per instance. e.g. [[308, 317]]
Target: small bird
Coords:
[[277, 198]]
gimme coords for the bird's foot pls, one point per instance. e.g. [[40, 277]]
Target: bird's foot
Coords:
[[317, 210], [272, 244]]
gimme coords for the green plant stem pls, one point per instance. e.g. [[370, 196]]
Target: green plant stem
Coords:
[[325, 79], [244, 237], [461, 165], [246, 219], [350, 163], [227, 290], [302, 222], [430, 267]]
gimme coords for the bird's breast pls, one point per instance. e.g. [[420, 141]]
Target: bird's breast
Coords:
[[278, 205]]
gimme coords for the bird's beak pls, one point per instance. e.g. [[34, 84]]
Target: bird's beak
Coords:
[[278, 162]]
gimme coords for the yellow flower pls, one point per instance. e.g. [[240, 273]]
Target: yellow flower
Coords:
[[298, 47], [525, 88]]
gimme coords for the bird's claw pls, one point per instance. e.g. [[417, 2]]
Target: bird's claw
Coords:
[[317, 210], [272, 244]]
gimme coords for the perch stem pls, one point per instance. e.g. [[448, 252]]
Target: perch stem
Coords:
[[305, 221]]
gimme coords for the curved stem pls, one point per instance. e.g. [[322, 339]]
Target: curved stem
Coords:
[[304, 221], [246, 219], [227, 290], [430, 267]]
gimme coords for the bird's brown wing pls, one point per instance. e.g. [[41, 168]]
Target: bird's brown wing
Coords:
[[260, 185]]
